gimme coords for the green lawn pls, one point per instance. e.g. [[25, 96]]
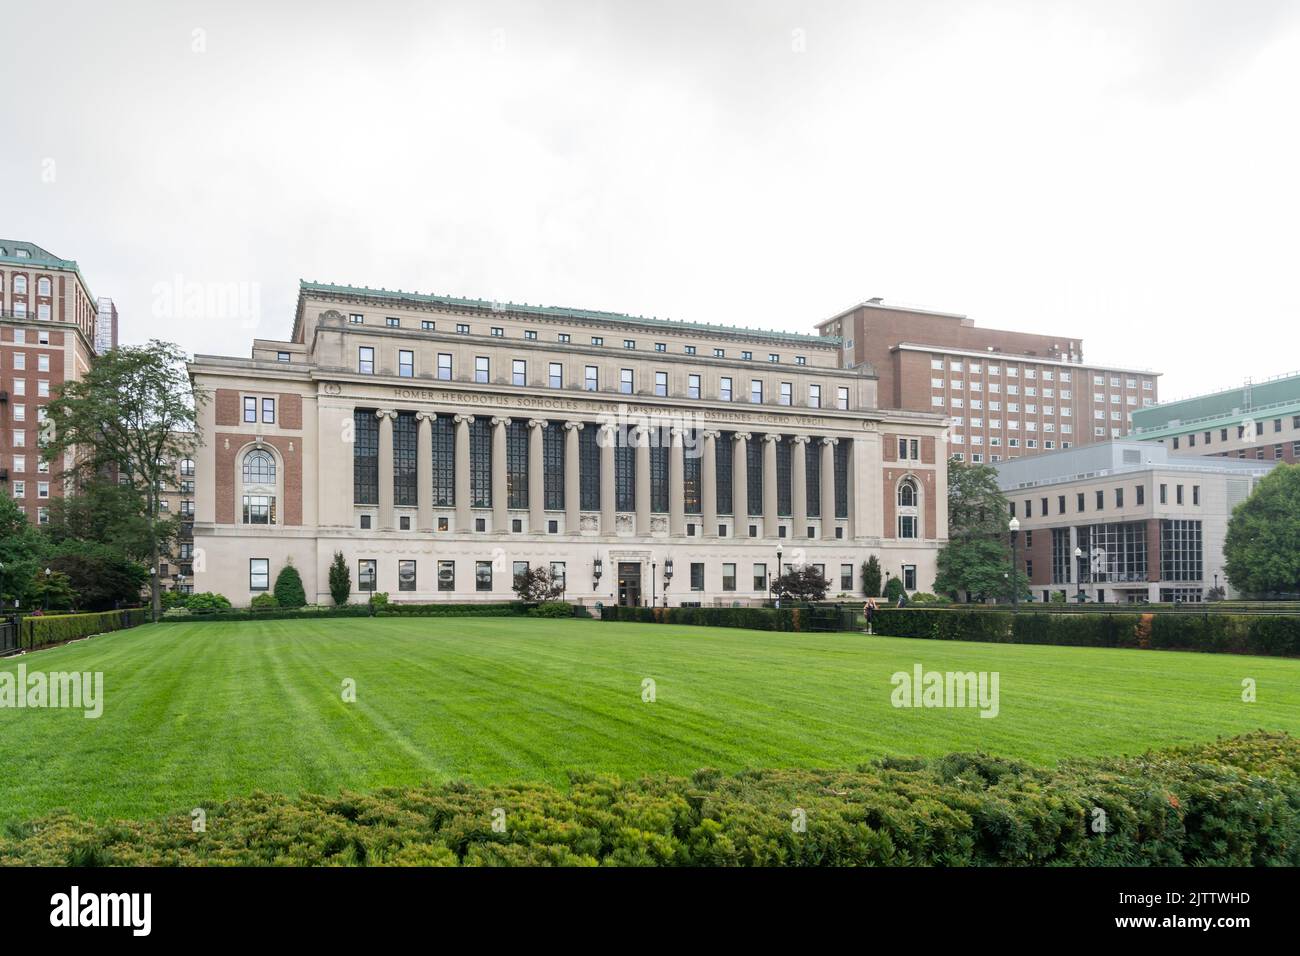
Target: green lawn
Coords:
[[195, 713]]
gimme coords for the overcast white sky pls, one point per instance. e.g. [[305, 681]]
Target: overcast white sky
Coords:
[[1125, 172]]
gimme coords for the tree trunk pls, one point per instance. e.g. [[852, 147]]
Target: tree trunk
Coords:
[[155, 599]]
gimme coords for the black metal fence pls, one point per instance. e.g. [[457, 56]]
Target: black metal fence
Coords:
[[8, 635]]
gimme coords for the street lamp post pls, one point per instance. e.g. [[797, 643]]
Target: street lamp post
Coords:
[[1014, 527], [1078, 572], [45, 604], [775, 590], [597, 569], [668, 577]]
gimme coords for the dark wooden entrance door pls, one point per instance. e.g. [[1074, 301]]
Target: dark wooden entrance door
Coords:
[[629, 583]]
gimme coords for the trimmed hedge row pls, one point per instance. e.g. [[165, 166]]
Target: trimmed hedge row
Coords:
[[1231, 803], [827, 617], [358, 610], [45, 629], [1271, 635]]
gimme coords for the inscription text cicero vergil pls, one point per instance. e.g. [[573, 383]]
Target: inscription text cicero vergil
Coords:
[[560, 404]]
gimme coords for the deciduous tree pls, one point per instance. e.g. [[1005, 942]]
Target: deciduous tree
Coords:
[[1262, 549]]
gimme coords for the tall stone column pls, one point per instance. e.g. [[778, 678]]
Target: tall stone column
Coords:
[[500, 496], [676, 484], [740, 481], [709, 484], [642, 480], [386, 418], [536, 476], [424, 472], [607, 440], [828, 488], [771, 520], [799, 486], [572, 480], [464, 497]]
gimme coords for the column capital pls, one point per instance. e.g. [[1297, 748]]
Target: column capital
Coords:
[[498, 420], [573, 426], [676, 434], [710, 434], [537, 423], [386, 413], [830, 441], [467, 419], [772, 436], [425, 416], [801, 439], [740, 436], [641, 434]]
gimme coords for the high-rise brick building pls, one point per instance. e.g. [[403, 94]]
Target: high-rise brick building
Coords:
[[1007, 394], [47, 333]]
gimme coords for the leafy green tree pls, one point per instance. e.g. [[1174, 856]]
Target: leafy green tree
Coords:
[[288, 587], [101, 577], [871, 577], [977, 557], [21, 548], [134, 412], [801, 584], [53, 591], [894, 590], [340, 579], [1262, 547], [107, 512]]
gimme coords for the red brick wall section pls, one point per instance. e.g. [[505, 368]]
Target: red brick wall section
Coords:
[[290, 410], [927, 450], [228, 445], [890, 450], [1153, 549], [1040, 553], [227, 406]]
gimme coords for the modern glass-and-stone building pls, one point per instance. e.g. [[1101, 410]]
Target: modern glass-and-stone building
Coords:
[[443, 445]]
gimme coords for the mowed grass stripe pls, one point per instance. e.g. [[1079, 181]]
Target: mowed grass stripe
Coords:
[[196, 713]]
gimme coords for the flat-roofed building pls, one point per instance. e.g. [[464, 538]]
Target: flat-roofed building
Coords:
[[1259, 421], [444, 445], [1007, 394], [1147, 525]]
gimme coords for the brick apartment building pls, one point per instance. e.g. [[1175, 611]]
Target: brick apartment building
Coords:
[[1258, 421], [1007, 394], [47, 330]]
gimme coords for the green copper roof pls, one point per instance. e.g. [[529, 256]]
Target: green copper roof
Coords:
[[18, 252], [554, 311], [1273, 397]]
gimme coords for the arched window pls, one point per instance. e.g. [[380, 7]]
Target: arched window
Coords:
[[43, 285], [259, 468], [907, 494], [20, 285]]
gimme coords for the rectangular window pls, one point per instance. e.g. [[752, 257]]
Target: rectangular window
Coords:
[[728, 577], [814, 396], [787, 394], [405, 363], [756, 391], [482, 575], [760, 577], [591, 379], [518, 372], [555, 375], [692, 386], [661, 383], [724, 388], [482, 369], [1101, 499], [268, 411], [444, 366], [406, 575], [1141, 492], [366, 360], [259, 574], [446, 575], [393, 322], [842, 398], [625, 381], [846, 578], [250, 408], [697, 575]]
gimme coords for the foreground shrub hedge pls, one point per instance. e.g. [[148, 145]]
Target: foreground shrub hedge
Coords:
[[1234, 802], [45, 629], [1273, 635], [359, 610], [828, 617]]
